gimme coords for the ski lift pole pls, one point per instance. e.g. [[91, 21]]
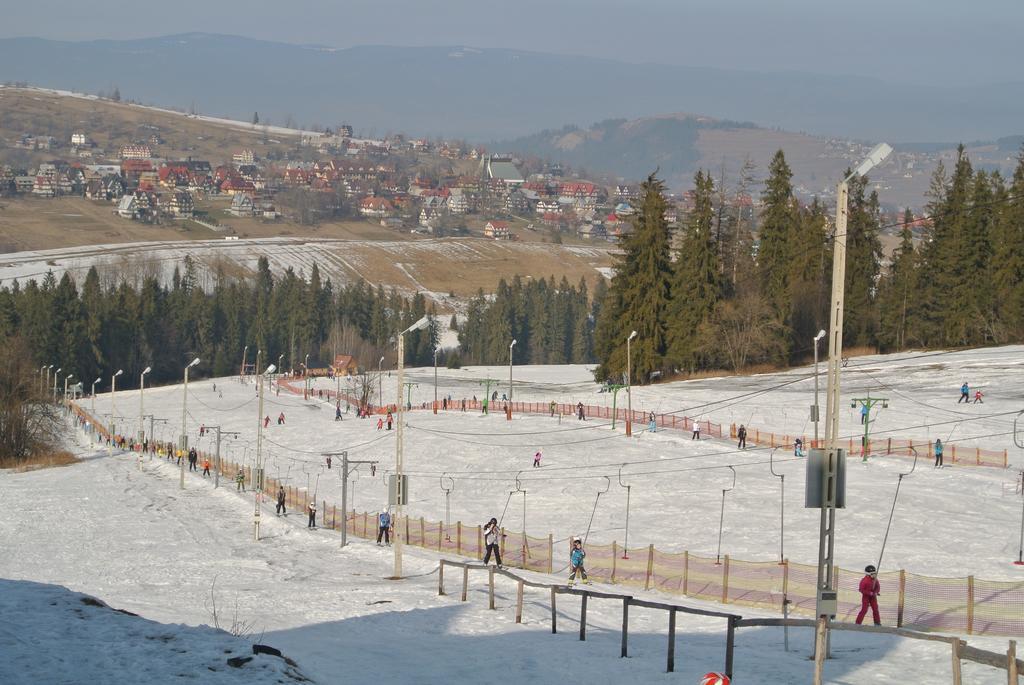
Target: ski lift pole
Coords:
[[1019, 444], [447, 505], [607, 487], [625, 545], [721, 517], [895, 497], [782, 505]]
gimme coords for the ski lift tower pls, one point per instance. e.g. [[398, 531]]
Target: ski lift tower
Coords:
[[867, 403], [828, 478]]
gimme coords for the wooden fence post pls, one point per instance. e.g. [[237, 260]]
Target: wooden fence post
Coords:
[[440, 578], [440, 536], [970, 605], [458, 538], [725, 580], [423, 533], [334, 517], [465, 582], [480, 541], [671, 640], [490, 587], [583, 617], [615, 557], [551, 553], [650, 567], [519, 602], [1011, 663], [901, 598], [626, 628], [554, 615], [956, 661]]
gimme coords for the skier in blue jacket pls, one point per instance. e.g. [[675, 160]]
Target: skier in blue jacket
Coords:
[[576, 558], [965, 394], [384, 527]]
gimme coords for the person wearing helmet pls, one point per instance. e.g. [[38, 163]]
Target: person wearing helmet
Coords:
[[869, 591], [576, 558]]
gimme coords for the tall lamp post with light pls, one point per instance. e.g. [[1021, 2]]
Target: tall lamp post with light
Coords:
[[510, 347], [399, 489], [94, 398], [183, 442], [815, 409], [55, 375], [436, 349], [142, 410], [258, 473], [113, 407], [827, 604], [629, 385]]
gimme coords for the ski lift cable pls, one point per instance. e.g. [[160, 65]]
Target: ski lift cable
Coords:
[[895, 498]]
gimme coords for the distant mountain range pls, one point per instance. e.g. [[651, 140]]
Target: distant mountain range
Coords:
[[495, 94]]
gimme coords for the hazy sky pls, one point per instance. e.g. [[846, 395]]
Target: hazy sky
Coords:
[[926, 42]]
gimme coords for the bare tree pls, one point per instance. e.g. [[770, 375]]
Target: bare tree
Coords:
[[29, 424]]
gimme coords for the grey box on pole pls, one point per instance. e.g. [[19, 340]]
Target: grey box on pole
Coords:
[[814, 485], [814, 413], [398, 491]]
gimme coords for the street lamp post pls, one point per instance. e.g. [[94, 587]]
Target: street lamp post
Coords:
[[94, 398], [816, 412], [435, 379], [113, 392], [55, 374], [245, 355], [47, 383], [380, 382], [305, 373], [66, 379], [399, 490], [513, 344], [629, 385], [183, 442], [42, 386], [258, 474], [142, 411], [826, 604]]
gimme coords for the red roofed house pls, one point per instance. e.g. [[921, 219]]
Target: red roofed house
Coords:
[[345, 365], [375, 206]]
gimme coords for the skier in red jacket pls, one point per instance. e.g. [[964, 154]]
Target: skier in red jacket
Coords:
[[869, 591]]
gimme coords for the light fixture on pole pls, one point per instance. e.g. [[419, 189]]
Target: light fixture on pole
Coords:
[[66, 379], [47, 383], [400, 491], [42, 385], [142, 411], [113, 407], [94, 397], [380, 382], [258, 473], [510, 370], [435, 378], [815, 409], [183, 441], [55, 374], [245, 356], [305, 374], [629, 385], [827, 605]]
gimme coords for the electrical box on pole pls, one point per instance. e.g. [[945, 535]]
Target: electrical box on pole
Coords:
[[398, 490], [816, 483]]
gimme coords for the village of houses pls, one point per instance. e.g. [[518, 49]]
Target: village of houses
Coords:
[[378, 181]]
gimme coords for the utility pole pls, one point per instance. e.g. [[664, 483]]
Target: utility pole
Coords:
[[216, 474], [487, 395], [629, 385], [183, 445], [868, 403], [400, 490], [510, 348], [345, 463], [826, 603], [258, 475], [815, 410], [615, 394]]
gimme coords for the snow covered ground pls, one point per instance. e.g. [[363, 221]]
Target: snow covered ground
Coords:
[[951, 522], [138, 543]]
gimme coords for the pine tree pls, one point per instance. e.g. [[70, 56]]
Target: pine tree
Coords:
[[897, 290], [696, 278], [639, 294], [1008, 259], [863, 256], [778, 219]]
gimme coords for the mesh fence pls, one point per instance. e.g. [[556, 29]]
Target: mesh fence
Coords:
[[966, 605]]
